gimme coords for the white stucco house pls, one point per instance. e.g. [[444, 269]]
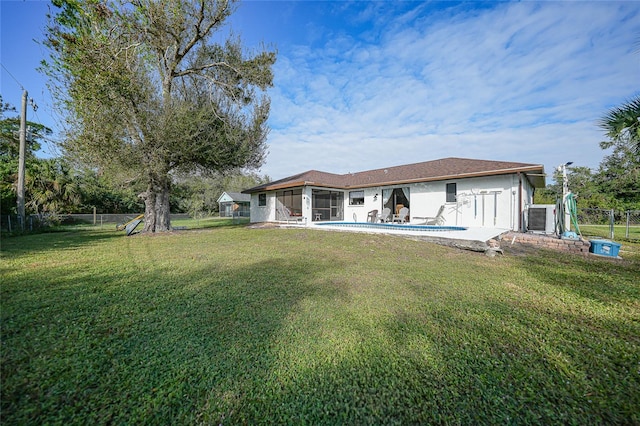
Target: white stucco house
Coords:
[[474, 193]]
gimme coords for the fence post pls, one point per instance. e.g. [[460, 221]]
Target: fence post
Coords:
[[612, 223], [626, 232]]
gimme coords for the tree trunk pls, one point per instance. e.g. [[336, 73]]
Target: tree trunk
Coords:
[[156, 206]]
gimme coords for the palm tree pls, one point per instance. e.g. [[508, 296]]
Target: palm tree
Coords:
[[622, 126], [51, 187], [619, 173]]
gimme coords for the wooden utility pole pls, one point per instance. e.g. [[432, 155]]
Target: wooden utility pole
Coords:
[[23, 145]]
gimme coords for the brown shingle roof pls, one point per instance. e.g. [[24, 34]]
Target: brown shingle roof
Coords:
[[443, 169]]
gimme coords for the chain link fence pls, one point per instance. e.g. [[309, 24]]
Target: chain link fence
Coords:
[[34, 223], [14, 224], [612, 224]]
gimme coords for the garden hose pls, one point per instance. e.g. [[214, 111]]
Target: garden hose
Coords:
[[572, 207]]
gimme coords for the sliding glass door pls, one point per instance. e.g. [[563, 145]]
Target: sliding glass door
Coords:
[[395, 198]]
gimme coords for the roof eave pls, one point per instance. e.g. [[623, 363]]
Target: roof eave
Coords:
[[453, 176], [286, 185], [535, 172]]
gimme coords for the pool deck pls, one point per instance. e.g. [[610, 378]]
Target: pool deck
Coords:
[[475, 239]]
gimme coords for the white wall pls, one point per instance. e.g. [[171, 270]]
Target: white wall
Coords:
[[263, 213], [476, 205], [224, 198], [473, 208], [487, 202]]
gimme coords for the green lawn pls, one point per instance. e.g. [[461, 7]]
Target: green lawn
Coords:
[[604, 231], [231, 325]]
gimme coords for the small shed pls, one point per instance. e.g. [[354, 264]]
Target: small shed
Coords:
[[234, 204]]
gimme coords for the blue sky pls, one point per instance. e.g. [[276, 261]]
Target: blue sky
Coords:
[[363, 85]]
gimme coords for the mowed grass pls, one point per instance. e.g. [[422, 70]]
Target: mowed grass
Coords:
[[231, 325], [620, 232]]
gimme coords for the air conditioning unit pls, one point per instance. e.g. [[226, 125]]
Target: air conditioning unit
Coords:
[[541, 218]]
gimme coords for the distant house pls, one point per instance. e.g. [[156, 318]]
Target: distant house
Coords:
[[474, 193], [234, 204]]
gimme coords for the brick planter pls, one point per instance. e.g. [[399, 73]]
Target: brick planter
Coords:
[[580, 246]]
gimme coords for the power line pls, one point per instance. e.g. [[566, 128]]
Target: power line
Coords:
[[34, 106], [12, 76], [31, 101], [50, 141]]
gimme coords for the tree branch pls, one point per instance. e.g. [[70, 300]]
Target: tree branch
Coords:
[[201, 33], [198, 69]]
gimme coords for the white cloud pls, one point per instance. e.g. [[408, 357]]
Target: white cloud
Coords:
[[516, 81]]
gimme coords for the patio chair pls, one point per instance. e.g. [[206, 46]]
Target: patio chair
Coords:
[[438, 219], [401, 217], [372, 216], [286, 216], [385, 216]]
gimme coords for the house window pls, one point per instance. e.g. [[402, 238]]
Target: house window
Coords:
[[262, 200], [356, 198], [451, 193]]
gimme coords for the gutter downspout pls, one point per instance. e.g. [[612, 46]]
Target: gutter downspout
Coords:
[[520, 202]]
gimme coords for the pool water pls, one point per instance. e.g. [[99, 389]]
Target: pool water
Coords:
[[393, 226]]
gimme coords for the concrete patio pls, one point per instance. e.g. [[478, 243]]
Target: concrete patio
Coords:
[[475, 239]]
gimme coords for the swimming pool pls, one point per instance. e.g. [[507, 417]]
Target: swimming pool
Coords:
[[392, 226]]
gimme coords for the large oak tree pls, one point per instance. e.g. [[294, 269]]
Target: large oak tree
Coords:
[[154, 87]]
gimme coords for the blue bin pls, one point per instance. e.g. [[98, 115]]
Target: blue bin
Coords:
[[604, 248]]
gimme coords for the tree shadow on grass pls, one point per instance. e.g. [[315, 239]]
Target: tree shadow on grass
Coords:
[[458, 360], [483, 363], [150, 347], [601, 280], [251, 342], [68, 240]]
